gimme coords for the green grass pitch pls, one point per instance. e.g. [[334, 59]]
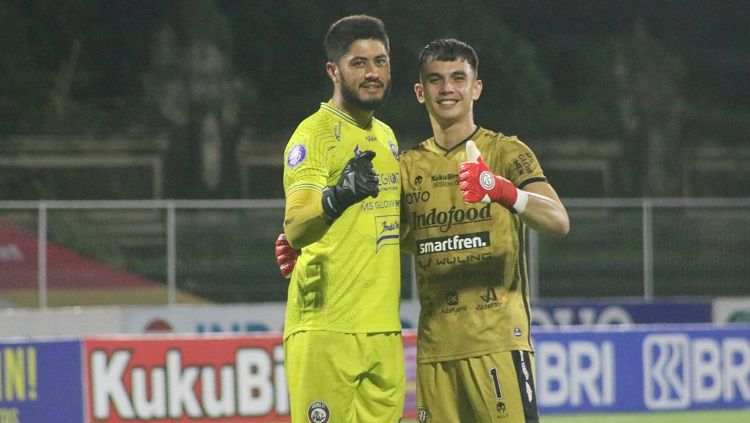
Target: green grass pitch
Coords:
[[708, 416]]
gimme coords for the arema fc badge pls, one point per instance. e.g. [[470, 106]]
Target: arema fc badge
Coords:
[[317, 412]]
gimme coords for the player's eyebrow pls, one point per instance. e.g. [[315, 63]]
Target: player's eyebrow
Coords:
[[452, 74], [379, 56]]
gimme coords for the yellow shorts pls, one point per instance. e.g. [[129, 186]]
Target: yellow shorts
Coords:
[[493, 388], [345, 377]]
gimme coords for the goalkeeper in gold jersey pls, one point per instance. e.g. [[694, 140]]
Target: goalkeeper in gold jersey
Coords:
[[468, 195], [342, 332]]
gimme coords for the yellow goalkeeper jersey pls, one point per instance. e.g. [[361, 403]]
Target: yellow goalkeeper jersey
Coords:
[[349, 280], [470, 258]]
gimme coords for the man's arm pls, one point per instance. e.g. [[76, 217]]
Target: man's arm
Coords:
[[309, 212], [304, 221], [537, 204], [544, 211]]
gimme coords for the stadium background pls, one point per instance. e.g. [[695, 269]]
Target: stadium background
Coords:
[[140, 168]]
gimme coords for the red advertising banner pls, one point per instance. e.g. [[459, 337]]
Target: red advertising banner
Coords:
[[209, 378], [186, 379]]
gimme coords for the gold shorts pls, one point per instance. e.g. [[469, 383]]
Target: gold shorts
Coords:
[[492, 388]]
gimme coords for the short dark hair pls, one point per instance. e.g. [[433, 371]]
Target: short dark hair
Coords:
[[347, 30], [448, 50]]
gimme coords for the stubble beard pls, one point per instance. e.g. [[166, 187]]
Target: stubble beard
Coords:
[[352, 97]]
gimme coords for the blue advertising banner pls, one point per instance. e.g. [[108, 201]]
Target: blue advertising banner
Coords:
[[611, 312], [41, 381], [644, 368]]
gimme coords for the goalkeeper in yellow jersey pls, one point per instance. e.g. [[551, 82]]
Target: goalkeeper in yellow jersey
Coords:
[[342, 333], [469, 194]]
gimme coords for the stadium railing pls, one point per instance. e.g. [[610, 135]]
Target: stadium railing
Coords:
[[69, 253]]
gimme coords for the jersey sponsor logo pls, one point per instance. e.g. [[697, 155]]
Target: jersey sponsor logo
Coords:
[[318, 412], [379, 204], [387, 231], [489, 296], [490, 306], [389, 181], [447, 180], [424, 264], [296, 155], [453, 243], [417, 197], [452, 302], [418, 180], [444, 220], [447, 277], [469, 258], [337, 131], [524, 163], [490, 299], [454, 276]]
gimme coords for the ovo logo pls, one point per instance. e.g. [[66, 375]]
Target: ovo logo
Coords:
[[417, 197]]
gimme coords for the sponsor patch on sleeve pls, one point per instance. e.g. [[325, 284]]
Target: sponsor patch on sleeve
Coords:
[[296, 155]]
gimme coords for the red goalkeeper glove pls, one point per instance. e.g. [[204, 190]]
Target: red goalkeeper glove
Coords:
[[478, 183], [286, 256]]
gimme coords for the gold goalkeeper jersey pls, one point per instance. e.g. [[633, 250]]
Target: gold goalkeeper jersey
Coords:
[[349, 280], [470, 258]]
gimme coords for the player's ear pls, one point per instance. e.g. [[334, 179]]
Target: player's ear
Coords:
[[477, 90], [419, 91], [333, 71]]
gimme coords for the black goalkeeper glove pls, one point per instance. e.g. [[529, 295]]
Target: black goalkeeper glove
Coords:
[[358, 181]]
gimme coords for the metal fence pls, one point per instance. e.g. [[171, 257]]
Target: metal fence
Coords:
[[68, 253]]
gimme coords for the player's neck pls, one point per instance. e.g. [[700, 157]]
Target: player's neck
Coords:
[[361, 116], [449, 135]]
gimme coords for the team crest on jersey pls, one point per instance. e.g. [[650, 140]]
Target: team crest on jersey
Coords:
[[317, 412], [394, 149], [296, 155], [501, 409]]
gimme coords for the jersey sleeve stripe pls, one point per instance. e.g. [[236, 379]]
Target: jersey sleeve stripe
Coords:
[[303, 186], [530, 180]]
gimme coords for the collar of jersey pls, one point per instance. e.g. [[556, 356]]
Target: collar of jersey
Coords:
[[343, 115], [438, 149]]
